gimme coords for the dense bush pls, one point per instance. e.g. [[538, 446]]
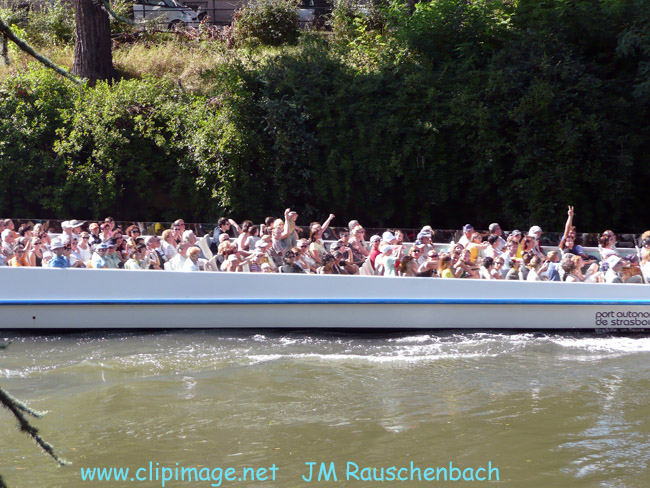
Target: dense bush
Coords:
[[30, 174], [51, 24], [267, 22], [456, 112], [123, 149]]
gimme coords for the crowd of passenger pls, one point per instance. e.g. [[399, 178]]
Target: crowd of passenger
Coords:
[[280, 245]]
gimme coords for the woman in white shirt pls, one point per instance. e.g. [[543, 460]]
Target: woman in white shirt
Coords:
[[83, 247], [192, 261], [488, 270], [168, 244], [534, 266]]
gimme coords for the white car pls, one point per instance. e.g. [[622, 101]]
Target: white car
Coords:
[[172, 15]]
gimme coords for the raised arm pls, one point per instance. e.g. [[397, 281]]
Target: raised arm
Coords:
[[287, 225], [326, 224], [569, 221]]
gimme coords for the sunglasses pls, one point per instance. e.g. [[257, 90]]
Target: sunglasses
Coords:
[[433, 256], [135, 231]]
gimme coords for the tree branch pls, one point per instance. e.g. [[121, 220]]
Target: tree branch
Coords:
[[7, 62], [115, 15], [17, 408], [8, 33]]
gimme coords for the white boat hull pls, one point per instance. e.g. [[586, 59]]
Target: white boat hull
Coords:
[[87, 299]]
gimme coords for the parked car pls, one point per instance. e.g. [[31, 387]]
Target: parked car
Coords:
[[171, 14], [310, 12]]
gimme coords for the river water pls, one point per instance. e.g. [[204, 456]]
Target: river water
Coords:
[[545, 410]]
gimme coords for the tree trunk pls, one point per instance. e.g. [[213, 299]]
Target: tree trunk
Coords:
[[5, 51], [93, 59]]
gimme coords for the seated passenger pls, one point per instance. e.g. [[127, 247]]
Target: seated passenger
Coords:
[[98, 261], [289, 265], [343, 260], [84, 248], [375, 241], [613, 273], [407, 266], [495, 230], [244, 239], [327, 264], [389, 257], [358, 244], [571, 274], [19, 258], [488, 271], [35, 256], [316, 247], [192, 261], [135, 261], [444, 267], [59, 260], [177, 262], [498, 269], [303, 258], [493, 250], [430, 266], [418, 253], [113, 255], [607, 246], [75, 255], [476, 246], [255, 261], [464, 267], [553, 272], [568, 245], [168, 244], [8, 241], [534, 267], [233, 264], [468, 231], [523, 267]]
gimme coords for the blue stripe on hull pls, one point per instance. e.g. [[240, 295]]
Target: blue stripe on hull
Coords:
[[333, 301]]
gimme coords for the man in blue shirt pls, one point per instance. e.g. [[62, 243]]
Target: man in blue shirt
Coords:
[[99, 260], [59, 260]]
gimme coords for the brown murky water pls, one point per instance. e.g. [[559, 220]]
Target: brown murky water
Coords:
[[546, 410]]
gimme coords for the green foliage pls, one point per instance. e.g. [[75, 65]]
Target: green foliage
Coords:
[[120, 147], [124, 9], [51, 25], [443, 30], [349, 17], [458, 111], [267, 22], [30, 173]]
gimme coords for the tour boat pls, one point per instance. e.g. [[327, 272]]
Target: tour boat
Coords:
[[91, 298]]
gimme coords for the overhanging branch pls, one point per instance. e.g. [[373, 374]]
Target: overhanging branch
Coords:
[[115, 15], [8, 33]]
